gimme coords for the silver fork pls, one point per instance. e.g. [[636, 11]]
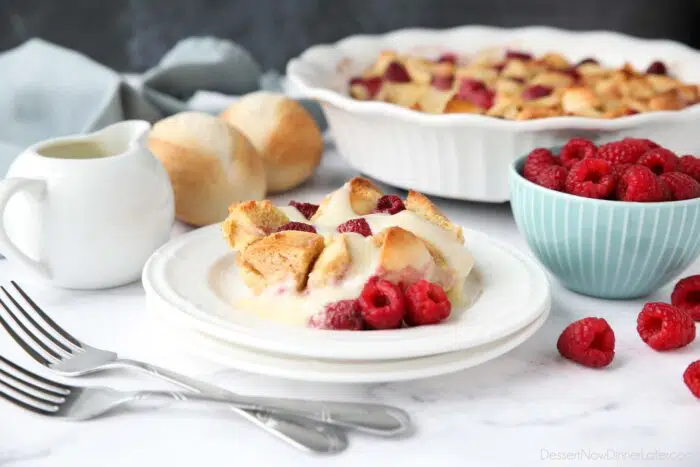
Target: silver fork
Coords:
[[52, 398], [53, 347]]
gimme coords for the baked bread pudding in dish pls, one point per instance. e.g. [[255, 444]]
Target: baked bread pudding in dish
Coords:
[[359, 260], [517, 85]]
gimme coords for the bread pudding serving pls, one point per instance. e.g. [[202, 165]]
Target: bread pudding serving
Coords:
[[517, 85], [360, 260]]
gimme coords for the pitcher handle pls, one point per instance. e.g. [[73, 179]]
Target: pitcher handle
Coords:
[[8, 188]]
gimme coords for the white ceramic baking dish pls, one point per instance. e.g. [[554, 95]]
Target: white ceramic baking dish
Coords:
[[467, 156]]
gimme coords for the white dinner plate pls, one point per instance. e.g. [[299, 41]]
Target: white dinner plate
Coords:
[[334, 371], [193, 280]]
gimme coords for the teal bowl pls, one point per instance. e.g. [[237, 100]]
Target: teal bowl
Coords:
[[605, 249]]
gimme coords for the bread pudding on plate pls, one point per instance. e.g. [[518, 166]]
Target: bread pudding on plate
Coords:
[[359, 260]]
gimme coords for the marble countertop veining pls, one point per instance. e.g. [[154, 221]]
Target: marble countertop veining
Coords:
[[525, 409]]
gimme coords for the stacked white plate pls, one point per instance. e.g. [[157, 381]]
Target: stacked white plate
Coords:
[[192, 281]]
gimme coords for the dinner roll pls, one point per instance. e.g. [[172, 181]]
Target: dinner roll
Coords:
[[211, 165], [286, 137]]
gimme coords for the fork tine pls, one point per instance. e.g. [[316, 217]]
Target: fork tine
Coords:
[[27, 403], [33, 322], [31, 390], [46, 318], [34, 379], [36, 355]]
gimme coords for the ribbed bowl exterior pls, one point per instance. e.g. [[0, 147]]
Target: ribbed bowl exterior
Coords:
[[606, 249]]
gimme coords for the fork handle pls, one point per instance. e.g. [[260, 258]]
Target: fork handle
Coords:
[[375, 419], [302, 434]]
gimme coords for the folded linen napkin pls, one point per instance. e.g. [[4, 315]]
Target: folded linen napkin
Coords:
[[47, 90]]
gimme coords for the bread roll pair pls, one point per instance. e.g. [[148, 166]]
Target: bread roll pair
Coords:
[[263, 143]]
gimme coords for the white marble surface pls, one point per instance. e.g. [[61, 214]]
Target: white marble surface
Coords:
[[525, 409]]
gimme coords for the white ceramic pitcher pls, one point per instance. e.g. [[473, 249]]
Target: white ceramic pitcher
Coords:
[[86, 211]]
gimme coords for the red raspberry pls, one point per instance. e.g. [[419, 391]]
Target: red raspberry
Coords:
[[358, 225], [300, 226], [537, 160], [442, 82], [447, 57], [306, 209], [591, 178], [426, 303], [389, 204], [639, 184], [372, 84], [536, 92], [682, 186], [626, 151], [382, 304], [620, 169], [575, 150], [665, 327], [657, 68], [553, 177], [519, 55], [646, 143], [396, 73], [691, 378], [659, 160], [686, 295], [690, 165], [667, 193], [588, 341], [476, 92], [343, 315]]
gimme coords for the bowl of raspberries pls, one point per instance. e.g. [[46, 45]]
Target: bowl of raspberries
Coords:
[[616, 220]]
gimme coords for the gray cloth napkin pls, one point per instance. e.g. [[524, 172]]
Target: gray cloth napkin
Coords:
[[48, 91]]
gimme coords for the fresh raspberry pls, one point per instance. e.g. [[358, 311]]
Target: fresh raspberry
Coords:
[[476, 92], [690, 165], [371, 85], [538, 160], [591, 178], [639, 184], [442, 82], [519, 55], [536, 92], [426, 303], [553, 177], [657, 68], [644, 143], [682, 186], [448, 57], [306, 209], [396, 73], [665, 327], [382, 304], [622, 152], [588, 341], [691, 378], [300, 226], [667, 193], [659, 160], [389, 204], [575, 150], [686, 296], [341, 315], [358, 225], [620, 169]]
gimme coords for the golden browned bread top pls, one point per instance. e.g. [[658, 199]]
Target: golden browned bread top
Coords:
[[267, 257], [520, 86]]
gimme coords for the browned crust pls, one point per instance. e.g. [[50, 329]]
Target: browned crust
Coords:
[[421, 205]]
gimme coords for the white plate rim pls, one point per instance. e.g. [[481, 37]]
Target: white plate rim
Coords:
[[369, 346], [287, 367]]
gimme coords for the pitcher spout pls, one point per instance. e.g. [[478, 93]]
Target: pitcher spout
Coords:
[[123, 136]]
